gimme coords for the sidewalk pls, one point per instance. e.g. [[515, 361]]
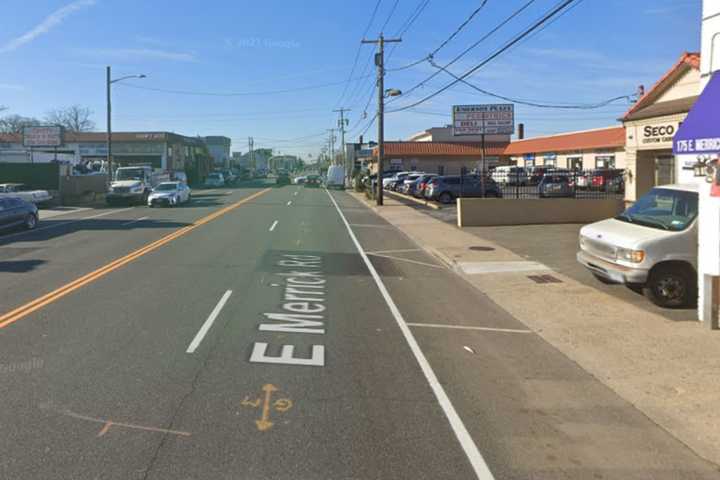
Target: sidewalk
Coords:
[[668, 370]]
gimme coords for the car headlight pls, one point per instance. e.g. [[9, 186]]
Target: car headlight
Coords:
[[633, 256]]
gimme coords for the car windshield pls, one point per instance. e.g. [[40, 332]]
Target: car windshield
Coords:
[[164, 187], [130, 174], [664, 209]]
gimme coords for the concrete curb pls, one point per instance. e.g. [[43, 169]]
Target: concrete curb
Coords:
[[401, 197]]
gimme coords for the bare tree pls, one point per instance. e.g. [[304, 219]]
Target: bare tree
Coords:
[[74, 118], [15, 123]]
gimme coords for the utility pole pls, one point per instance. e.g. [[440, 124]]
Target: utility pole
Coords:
[[251, 153], [108, 82], [380, 63], [342, 123]]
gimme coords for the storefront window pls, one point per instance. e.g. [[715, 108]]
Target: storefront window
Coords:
[[665, 170], [529, 160], [575, 163], [605, 161]]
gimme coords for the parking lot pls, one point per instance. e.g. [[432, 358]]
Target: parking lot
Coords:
[[556, 247]]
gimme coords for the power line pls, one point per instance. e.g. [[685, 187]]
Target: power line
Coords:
[[493, 56], [409, 23], [457, 31], [359, 49], [534, 104], [236, 94], [392, 12], [507, 20]]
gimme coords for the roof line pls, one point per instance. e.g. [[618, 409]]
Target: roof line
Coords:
[[574, 132]]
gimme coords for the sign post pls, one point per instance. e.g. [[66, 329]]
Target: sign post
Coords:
[[488, 119]]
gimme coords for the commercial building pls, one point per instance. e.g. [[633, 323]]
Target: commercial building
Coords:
[[651, 124], [219, 148], [588, 149]]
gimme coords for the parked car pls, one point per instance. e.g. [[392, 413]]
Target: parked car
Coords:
[[299, 180], [652, 244], [312, 181], [335, 177], [169, 194], [404, 186], [391, 180], [215, 180], [229, 176], [608, 180], [556, 184], [418, 190], [15, 212], [536, 174], [510, 175], [445, 189], [20, 190], [283, 178], [133, 184]]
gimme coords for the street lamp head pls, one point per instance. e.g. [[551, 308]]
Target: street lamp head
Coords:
[[142, 75], [393, 92]]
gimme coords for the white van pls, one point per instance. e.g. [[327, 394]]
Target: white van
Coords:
[[652, 245], [510, 175], [335, 177]]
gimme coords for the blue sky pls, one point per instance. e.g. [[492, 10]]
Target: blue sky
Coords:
[[54, 53]]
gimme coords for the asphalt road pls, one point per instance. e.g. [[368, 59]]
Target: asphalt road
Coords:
[[285, 333]]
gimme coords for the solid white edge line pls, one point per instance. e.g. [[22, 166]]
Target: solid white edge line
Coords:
[[134, 221], [463, 327], [482, 471], [274, 224], [208, 323]]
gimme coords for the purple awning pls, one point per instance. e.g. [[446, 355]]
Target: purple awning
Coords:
[[700, 132]]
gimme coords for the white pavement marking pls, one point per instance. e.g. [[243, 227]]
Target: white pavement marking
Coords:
[[482, 471], [208, 323], [134, 221], [400, 259], [45, 214], [272, 227], [394, 251], [469, 349], [289, 203], [295, 194], [479, 268], [68, 222], [463, 327], [365, 225]]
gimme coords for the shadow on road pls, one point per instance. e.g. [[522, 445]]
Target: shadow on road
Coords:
[[50, 229], [20, 266]]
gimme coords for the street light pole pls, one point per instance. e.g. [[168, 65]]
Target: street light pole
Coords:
[[108, 83], [380, 62]]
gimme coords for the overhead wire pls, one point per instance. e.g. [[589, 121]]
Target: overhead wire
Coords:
[[490, 33], [552, 13]]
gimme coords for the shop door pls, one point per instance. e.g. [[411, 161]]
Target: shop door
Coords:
[[664, 170]]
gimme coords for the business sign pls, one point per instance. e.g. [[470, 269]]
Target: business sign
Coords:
[[699, 134], [45, 136], [493, 119]]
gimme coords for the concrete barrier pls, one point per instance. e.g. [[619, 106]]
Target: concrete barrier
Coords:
[[485, 212]]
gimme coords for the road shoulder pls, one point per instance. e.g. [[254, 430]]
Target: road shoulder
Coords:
[[665, 369]]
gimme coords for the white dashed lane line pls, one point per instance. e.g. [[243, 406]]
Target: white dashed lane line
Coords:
[[274, 224]]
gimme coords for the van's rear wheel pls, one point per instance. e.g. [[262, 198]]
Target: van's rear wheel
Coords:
[[670, 286], [30, 221]]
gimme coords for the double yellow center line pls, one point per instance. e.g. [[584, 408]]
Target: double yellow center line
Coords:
[[13, 316]]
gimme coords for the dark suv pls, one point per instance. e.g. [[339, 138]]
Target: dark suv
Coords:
[[447, 188]]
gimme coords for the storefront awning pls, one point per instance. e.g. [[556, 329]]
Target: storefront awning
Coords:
[[700, 132]]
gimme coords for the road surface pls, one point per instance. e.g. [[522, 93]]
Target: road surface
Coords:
[[270, 332]]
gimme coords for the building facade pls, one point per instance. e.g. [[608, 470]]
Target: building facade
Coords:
[[651, 124], [163, 150], [583, 150]]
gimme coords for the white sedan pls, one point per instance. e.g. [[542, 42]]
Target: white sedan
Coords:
[[169, 194], [19, 190]]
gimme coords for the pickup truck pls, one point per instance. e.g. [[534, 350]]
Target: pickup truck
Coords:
[[20, 190], [134, 184], [651, 245]]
